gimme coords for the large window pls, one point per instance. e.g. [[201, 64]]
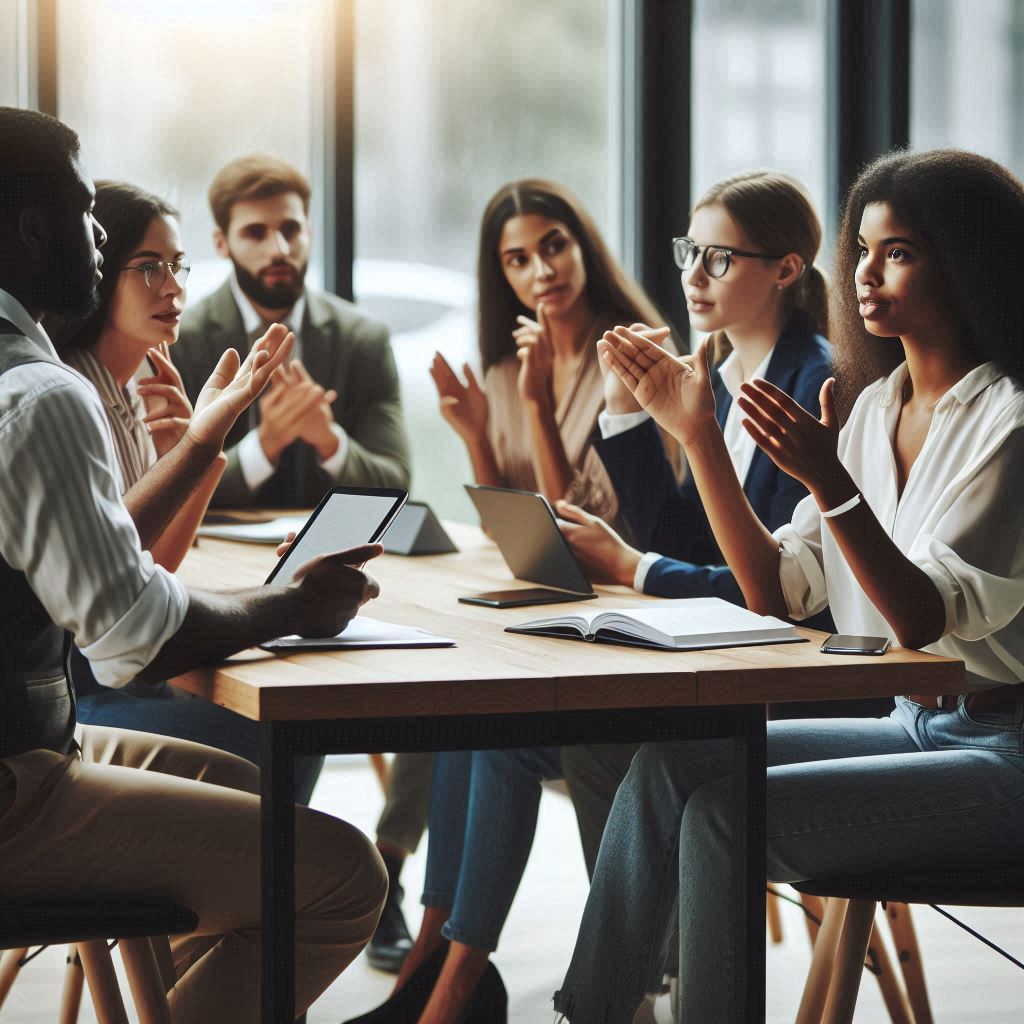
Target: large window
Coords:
[[759, 91], [165, 94], [15, 36], [967, 77], [454, 98]]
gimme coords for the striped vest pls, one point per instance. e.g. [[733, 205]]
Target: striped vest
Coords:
[[37, 700]]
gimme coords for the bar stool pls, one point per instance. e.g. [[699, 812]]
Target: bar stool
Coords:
[[830, 995], [141, 929]]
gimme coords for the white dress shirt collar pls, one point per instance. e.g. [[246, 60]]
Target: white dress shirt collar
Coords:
[[731, 371], [253, 322], [11, 309], [964, 391]]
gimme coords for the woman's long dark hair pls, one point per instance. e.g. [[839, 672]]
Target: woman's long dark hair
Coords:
[[609, 291], [125, 212], [969, 213]]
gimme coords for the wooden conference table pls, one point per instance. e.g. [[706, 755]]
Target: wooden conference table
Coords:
[[498, 689]]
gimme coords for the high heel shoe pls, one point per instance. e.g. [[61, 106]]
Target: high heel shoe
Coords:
[[406, 1005], [489, 1003]]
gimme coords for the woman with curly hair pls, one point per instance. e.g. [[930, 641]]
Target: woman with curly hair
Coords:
[[909, 531]]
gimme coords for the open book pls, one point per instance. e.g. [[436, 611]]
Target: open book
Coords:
[[684, 625]]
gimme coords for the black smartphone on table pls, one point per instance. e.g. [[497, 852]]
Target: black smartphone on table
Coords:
[[844, 643], [523, 596]]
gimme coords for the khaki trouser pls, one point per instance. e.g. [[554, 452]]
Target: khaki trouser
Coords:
[[97, 826], [407, 801]]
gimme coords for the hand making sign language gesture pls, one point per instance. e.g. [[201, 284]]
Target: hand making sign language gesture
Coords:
[[168, 410], [536, 358], [464, 406]]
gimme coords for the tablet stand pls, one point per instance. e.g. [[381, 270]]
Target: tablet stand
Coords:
[[417, 531]]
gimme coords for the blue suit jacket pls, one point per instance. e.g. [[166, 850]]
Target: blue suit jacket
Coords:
[[670, 519]]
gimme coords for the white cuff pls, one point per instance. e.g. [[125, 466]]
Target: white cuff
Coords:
[[644, 568], [256, 467], [801, 577], [336, 463], [118, 656], [618, 423]]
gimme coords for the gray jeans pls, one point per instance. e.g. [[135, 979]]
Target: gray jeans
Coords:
[[920, 789]]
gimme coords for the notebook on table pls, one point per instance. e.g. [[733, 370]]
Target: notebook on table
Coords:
[[687, 624], [362, 633]]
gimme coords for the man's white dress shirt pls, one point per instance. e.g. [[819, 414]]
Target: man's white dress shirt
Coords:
[[256, 467]]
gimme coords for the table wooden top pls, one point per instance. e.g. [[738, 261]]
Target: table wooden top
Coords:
[[492, 672]]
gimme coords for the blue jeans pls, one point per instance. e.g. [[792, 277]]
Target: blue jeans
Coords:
[[483, 815], [922, 788]]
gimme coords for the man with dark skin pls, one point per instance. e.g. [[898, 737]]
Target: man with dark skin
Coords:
[[73, 560]]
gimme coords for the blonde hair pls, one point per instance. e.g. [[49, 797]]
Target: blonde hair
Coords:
[[775, 212]]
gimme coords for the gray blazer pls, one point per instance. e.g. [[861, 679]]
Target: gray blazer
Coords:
[[342, 350]]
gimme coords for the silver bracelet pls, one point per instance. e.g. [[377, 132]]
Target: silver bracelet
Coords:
[[840, 509]]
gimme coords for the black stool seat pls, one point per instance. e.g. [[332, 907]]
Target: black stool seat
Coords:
[[992, 887], [36, 923]]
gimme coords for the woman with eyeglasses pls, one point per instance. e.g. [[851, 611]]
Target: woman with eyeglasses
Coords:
[[142, 295], [748, 274], [141, 298], [912, 530]]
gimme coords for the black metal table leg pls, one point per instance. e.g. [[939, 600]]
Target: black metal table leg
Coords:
[[750, 854], [277, 847]]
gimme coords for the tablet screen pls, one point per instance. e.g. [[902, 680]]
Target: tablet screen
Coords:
[[346, 518]]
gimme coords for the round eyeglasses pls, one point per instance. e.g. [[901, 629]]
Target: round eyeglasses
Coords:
[[716, 258], [158, 271]]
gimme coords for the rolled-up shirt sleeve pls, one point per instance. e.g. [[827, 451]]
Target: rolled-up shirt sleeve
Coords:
[[65, 526], [972, 545], [801, 565]]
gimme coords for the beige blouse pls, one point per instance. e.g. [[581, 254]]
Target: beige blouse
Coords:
[[509, 431]]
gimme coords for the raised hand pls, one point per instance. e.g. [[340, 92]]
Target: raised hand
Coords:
[[799, 444], [618, 399], [168, 410], [233, 386], [332, 589], [536, 357], [604, 555], [675, 390], [464, 406]]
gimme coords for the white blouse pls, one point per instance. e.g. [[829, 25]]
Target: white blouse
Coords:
[[960, 519]]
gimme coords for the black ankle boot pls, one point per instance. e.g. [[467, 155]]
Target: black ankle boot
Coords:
[[391, 941], [406, 1005], [489, 1004]]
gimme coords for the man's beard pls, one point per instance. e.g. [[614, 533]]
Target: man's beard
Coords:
[[68, 285], [282, 295]]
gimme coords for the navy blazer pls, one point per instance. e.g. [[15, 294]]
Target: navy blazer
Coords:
[[670, 518]]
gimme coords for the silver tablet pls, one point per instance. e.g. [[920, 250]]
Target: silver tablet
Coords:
[[524, 527]]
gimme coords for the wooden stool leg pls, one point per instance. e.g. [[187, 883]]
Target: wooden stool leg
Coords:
[[74, 980], [892, 990], [164, 960], [813, 905], [909, 955], [812, 1003], [774, 918], [145, 981], [10, 965], [382, 770], [99, 973], [849, 967]]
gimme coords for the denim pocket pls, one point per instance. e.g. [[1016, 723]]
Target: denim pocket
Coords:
[[999, 731], [1011, 719]]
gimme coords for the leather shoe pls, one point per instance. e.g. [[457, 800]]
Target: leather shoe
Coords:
[[391, 941], [406, 1005]]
